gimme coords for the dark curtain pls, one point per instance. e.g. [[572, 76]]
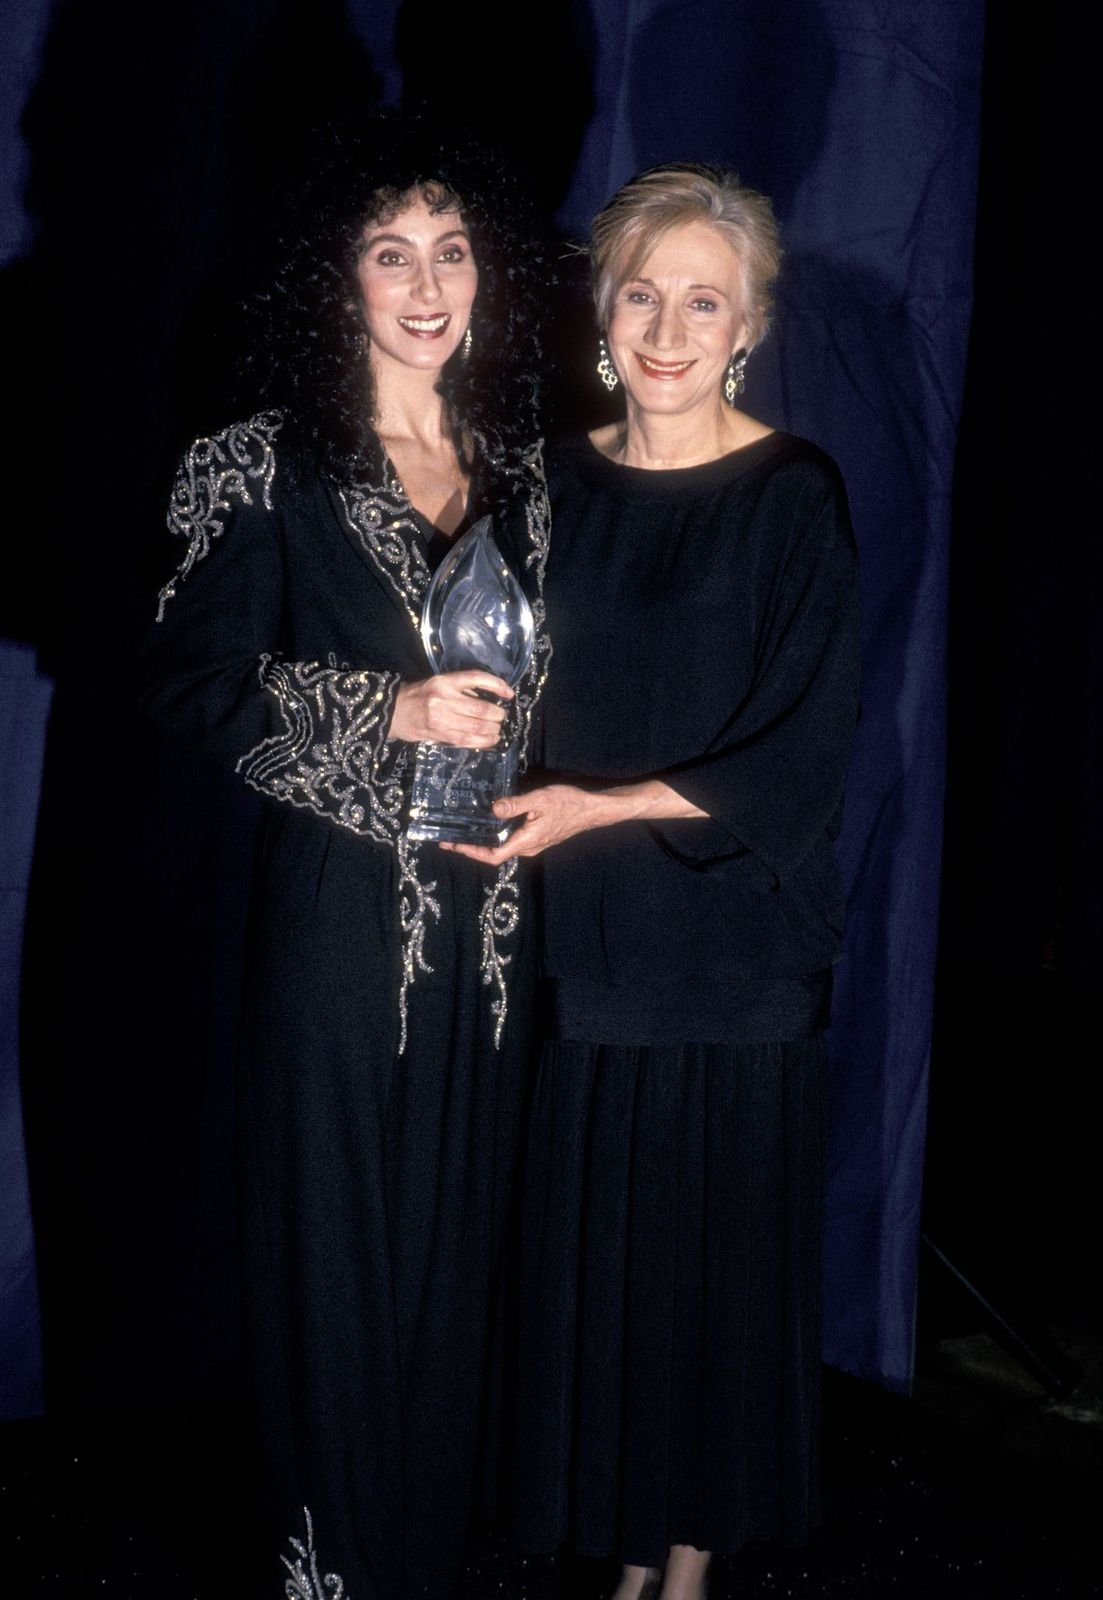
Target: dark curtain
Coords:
[[1012, 1191], [24, 706], [154, 144]]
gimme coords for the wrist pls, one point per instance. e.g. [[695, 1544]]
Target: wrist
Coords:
[[625, 803], [649, 800]]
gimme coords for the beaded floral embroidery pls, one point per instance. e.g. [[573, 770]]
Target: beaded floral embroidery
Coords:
[[306, 1581], [231, 465], [329, 757]]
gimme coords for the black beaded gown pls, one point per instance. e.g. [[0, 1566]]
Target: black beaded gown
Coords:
[[387, 1012], [707, 633]]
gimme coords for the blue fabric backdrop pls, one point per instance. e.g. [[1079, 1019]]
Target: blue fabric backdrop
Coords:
[[24, 707], [860, 119]]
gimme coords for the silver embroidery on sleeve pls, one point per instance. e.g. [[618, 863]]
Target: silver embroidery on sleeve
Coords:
[[232, 465], [333, 758], [306, 1581], [329, 756]]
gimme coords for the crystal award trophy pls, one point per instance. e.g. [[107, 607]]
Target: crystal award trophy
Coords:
[[475, 615]]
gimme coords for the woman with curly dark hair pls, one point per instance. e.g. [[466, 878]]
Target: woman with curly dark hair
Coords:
[[387, 999]]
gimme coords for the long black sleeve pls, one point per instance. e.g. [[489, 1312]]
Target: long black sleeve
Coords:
[[216, 669], [773, 779]]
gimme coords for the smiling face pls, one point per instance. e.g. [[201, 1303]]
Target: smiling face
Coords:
[[675, 326], [417, 279]]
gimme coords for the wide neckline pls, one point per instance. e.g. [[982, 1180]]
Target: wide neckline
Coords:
[[582, 451]]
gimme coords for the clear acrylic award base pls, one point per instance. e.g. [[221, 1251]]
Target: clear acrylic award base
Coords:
[[454, 791]]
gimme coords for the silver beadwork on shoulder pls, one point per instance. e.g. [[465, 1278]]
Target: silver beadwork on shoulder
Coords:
[[306, 1581], [231, 465]]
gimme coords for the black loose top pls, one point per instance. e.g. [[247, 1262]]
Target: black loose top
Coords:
[[706, 632]]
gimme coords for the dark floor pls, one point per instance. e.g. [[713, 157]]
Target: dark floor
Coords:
[[999, 1498]]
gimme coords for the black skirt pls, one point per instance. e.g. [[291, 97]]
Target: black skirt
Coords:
[[669, 1361], [376, 1189]]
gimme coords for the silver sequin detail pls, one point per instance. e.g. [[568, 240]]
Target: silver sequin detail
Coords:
[[498, 920], [214, 473], [538, 520], [501, 908], [382, 518], [416, 904], [306, 1581], [330, 756], [333, 758]]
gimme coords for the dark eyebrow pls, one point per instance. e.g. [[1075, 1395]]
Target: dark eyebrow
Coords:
[[399, 238]]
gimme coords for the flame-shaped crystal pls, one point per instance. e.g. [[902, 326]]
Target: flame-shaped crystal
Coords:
[[475, 612]]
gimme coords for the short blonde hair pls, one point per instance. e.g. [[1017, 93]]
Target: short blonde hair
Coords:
[[664, 198]]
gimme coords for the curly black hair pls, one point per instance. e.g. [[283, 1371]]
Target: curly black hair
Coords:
[[306, 354]]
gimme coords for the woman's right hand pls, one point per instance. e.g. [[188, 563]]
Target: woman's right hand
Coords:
[[450, 709]]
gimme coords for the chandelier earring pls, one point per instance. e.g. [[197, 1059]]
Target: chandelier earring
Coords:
[[605, 368], [465, 347], [734, 382]]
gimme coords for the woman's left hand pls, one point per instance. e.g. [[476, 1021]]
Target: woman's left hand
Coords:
[[552, 814]]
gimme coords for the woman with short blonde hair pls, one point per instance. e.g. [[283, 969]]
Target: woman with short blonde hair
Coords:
[[665, 198], [702, 591]]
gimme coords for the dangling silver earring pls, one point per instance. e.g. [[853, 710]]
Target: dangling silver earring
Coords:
[[733, 379], [605, 368], [465, 348]]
